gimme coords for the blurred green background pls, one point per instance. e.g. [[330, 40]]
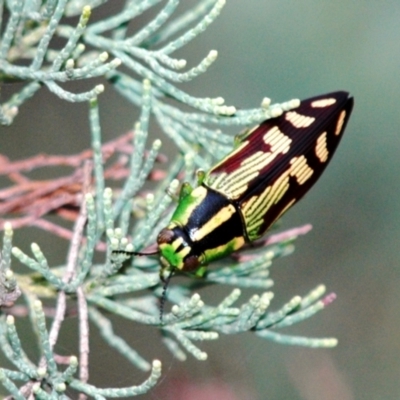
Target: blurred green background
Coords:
[[284, 49]]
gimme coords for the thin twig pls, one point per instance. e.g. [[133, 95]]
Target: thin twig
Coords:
[[83, 339], [82, 305], [68, 275], [32, 200]]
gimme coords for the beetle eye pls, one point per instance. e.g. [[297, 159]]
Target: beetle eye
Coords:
[[191, 263], [165, 236]]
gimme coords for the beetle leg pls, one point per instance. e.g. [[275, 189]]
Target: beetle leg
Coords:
[[201, 272], [186, 190], [200, 176], [241, 136]]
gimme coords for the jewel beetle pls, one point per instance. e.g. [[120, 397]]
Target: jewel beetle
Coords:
[[271, 167]]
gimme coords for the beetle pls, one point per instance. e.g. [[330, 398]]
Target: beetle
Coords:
[[270, 169]]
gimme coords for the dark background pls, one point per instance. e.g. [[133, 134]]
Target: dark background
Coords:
[[283, 49]]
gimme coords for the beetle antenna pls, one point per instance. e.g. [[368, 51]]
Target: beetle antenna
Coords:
[[164, 294], [135, 253]]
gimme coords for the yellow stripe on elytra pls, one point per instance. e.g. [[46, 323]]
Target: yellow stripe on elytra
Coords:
[[272, 195], [300, 169], [237, 182], [234, 184], [299, 120], [277, 139], [213, 223], [321, 149], [278, 189], [255, 209], [272, 136], [259, 204], [254, 215], [216, 181], [256, 205], [322, 103], [339, 123]]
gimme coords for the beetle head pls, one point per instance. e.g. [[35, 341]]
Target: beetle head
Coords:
[[176, 250]]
